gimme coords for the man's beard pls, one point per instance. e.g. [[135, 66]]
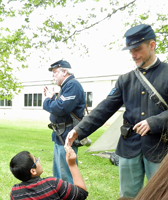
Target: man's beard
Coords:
[[145, 61], [55, 80], [141, 64]]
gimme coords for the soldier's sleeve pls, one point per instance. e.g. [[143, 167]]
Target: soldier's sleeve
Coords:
[[65, 103], [158, 123], [99, 115]]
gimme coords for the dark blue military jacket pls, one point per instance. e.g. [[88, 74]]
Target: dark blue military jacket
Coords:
[[130, 92], [70, 99]]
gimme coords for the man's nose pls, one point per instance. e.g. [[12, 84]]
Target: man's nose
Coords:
[[133, 55]]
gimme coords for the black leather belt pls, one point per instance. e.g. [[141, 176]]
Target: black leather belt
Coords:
[[66, 124], [59, 129], [125, 122], [60, 125]]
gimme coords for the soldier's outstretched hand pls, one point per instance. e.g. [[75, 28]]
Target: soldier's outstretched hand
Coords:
[[72, 135]]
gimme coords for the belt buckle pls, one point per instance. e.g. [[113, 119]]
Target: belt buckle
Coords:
[[60, 125], [150, 96], [164, 138], [156, 97]]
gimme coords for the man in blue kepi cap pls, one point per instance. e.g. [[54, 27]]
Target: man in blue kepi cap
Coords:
[[60, 63], [141, 146], [63, 107], [137, 35]]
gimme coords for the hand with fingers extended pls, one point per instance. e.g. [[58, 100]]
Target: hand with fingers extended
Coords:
[[72, 135], [49, 93], [142, 127]]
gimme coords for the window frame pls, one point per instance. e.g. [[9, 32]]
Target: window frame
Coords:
[[33, 100], [87, 99], [6, 103]]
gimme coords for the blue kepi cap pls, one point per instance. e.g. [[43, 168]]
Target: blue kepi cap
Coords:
[[138, 34], [60, 63]]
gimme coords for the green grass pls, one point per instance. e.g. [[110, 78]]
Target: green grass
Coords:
[[101, 177]]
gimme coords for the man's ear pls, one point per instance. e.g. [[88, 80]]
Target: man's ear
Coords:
[[152, 44], [65, 72], [33, 172]]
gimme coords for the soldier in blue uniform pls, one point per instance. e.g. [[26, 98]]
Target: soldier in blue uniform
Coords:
[[142, 150], [69, 102]]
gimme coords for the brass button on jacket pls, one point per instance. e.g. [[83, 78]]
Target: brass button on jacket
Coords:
[[142, 113], [143, 92], [144, 73]]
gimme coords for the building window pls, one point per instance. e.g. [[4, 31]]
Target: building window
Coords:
[[6, 102], [34, 100], [89, 99]]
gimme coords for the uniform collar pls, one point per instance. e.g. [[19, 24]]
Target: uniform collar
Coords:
[[146, 68], [154, 64]]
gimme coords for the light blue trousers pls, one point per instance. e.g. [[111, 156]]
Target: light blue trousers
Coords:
[[60, 167], [132, 172]]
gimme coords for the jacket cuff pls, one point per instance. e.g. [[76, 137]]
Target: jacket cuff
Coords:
[[79, 132]]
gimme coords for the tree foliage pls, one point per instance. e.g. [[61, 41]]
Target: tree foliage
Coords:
[[62, 21]]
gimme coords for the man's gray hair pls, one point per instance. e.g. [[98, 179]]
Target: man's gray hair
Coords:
[[69, 71]]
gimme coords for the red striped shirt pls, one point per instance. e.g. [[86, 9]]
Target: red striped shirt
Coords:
[[47, 188]]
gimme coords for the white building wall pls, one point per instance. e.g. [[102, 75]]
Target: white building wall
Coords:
[[99, 86]]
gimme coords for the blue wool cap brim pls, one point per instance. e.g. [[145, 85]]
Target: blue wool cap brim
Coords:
[[136, 35], [132, 46], [60, 63]]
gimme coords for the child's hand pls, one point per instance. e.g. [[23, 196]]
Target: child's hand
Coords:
[[70, 156]]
